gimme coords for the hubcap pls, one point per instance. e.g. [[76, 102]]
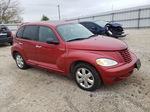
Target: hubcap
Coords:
[[85, 78], [19, 61]]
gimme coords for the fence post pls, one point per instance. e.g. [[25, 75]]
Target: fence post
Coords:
[[78, 20], [112, 19], [139, 18], [93, 17]]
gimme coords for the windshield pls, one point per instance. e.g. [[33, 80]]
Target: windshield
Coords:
[[101, 23], [73, 32]]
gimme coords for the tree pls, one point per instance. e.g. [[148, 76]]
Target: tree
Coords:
[[10, 11], [44, 18]]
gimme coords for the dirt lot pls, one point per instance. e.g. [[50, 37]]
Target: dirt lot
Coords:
[[35, 90]]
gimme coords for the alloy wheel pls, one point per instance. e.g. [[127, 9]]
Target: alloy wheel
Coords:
[[84, 78]]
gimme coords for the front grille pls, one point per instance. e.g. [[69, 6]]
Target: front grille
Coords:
[[126, 55]]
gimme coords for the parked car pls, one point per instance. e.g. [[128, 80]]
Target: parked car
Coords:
[[71, 49], [105, 28], [5, 35]]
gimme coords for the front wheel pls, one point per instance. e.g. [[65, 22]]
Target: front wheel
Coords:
[[86, 77]]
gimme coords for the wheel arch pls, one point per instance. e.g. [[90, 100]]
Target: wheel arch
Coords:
[[85, 62], [16, 51], [14, 54]]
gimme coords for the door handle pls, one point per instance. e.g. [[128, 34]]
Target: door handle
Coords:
[[37, 46]]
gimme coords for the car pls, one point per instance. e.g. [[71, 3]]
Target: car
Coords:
[[5, 35], [105, 28], [72, 50]]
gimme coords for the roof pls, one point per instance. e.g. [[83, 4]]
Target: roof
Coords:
[[52, 23]]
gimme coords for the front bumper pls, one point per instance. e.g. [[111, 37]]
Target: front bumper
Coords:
[[116, 74], [7, 39], [117, 36]]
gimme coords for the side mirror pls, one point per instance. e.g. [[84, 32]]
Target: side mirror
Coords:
[[52, 41]]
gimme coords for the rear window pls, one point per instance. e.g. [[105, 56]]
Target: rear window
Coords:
[[3, 28]]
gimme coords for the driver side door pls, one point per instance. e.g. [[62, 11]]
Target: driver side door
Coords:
[[50, 56]]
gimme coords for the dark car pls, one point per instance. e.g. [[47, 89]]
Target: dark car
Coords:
[[5, 35], [105, 28], [71, 49]]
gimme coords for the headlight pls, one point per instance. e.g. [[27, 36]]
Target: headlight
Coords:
[[106, 62]]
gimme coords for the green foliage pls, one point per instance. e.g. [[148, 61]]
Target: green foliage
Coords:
[[10, 11], [44, 18]]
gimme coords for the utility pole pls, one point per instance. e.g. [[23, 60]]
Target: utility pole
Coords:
[[112, 8], [112, 13], [59, 12], [0, 15]]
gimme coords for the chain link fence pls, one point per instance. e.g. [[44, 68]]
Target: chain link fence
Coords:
[[138, 17]]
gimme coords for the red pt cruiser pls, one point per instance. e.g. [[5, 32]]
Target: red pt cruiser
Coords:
[[71, 49]]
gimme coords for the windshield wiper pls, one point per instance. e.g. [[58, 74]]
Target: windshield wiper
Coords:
[[76, 39], [82, 38]]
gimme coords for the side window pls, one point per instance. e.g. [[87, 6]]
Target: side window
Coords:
[[84, 24], [30, 32], [90, 25], [46, 33], [20, 32]]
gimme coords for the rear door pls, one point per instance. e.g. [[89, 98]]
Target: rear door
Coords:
[[28, 41]]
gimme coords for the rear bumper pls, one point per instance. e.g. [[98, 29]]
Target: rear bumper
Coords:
[[113, 75], [8, 39]]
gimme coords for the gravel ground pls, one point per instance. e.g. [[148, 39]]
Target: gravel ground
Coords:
[[35, 90]]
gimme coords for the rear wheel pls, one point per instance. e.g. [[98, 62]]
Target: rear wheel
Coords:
[[20, 61], [11, 43], [86, 77]]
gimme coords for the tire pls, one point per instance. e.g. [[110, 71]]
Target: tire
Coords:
[[86, 77], [20, 61], [11, 43]]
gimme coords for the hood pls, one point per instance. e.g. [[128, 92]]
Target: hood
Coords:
[[102, 43]]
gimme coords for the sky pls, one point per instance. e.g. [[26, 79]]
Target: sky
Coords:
[[34, 9]]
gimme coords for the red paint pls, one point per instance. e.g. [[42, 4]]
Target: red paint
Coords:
[[59, 58]]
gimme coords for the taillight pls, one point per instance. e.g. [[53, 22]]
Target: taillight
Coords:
[[11, 35]]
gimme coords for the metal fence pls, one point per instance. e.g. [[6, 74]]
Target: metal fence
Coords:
[[130, 18], [138, 17], [12, 27]]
